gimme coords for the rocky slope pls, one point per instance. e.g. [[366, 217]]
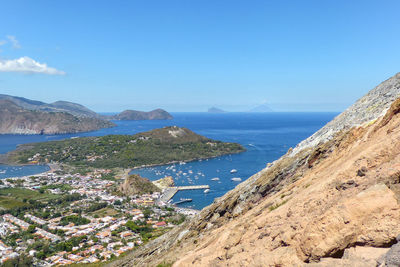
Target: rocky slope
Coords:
[[332, 201], [164, 182], [17, 120], [134, 115]]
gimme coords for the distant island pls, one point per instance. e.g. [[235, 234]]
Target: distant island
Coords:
[[134, 115], [36, 118], [216, 110], [156, 147], [262, 108]]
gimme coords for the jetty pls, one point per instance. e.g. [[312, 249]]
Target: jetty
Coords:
[[183, 200], [171, 191]]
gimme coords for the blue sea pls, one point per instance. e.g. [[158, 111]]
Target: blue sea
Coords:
[[266, 136]]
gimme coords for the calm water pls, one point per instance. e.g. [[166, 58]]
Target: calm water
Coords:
[[266, 136]]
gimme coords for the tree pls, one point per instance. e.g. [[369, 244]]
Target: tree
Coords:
[[20, 261], [31, 229]]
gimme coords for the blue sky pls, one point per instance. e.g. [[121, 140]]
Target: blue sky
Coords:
[[190, 55]]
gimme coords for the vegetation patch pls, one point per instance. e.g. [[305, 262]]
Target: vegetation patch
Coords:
[[274, 207], [75, 219], [25, 195], [104, 212], [11, 203]]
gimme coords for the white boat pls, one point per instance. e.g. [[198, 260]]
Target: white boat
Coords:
[[233, 171], [236, 179], [206, 191], [215, 179]]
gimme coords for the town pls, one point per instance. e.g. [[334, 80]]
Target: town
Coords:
[[59, 218]]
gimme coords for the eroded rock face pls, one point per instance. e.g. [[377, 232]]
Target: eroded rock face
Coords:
[[355, 220], [294, 213]]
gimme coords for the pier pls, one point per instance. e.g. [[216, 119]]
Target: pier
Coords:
[[183, 200], [171, 191]]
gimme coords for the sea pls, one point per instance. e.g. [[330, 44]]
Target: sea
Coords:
[[266, 136]]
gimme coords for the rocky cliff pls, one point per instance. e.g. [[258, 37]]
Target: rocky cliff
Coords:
[[17, 120], [135, 184], [332, 201], [134, 115]]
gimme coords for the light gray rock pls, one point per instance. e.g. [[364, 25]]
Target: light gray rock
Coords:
[[391, 258], [370, 107]]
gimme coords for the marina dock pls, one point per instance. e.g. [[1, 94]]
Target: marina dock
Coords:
[[183, 200], [171, 191]]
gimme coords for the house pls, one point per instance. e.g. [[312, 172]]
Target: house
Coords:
[[160, 224], [126, 234], [104, 234]]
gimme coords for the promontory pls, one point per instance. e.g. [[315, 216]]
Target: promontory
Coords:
[[156, 147]]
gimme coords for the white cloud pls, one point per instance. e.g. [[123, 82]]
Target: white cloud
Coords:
[[14, 41], [2, 42], [27, 65]]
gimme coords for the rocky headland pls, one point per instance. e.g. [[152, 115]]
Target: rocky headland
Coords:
[[135, 184], [156, 147]]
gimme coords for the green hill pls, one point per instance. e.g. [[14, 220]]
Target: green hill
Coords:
[[160, 146]]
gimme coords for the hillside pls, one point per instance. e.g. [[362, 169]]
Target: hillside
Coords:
[[331, 201], [59, 106], [17, 120], [134, 115], [160, 146]]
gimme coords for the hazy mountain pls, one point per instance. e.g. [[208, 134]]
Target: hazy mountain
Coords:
[[215, 110], [261, 108]]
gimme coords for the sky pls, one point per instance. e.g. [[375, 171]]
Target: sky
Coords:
[[191, 55]]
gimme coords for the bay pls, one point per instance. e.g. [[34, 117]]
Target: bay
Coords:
[[266, 136]]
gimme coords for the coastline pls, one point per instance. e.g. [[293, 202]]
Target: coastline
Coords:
[[185, 161], [56, 166], [52, 167]]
